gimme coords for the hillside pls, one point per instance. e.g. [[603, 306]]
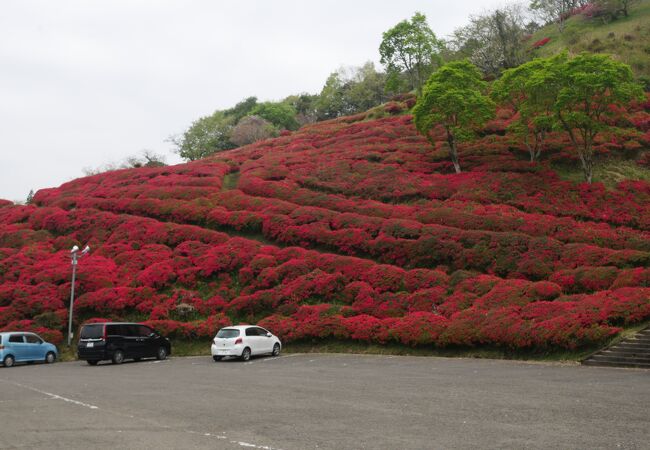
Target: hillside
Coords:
[[627, 38], [351, 229]]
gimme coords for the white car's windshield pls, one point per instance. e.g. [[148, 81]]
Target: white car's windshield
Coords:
[[227, 333]]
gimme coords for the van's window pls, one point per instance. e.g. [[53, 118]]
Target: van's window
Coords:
[[116, 330], [16, 338], [131, 330], [227, 333], [92, 331], [144, 331], [33, 339]]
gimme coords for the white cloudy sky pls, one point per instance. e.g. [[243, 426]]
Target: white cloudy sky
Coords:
[[84, 83]]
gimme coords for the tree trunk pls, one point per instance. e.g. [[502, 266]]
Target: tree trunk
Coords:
[[534, 150], [585, 153], [453, 151], [539, 143], [531, 150], [587, 165]]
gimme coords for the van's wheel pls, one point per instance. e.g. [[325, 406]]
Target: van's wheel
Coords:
[[92, 362], [9, 361], [276, 350], [161, 353], [217, 358], [118, 357], [246, 354], [50, 358]]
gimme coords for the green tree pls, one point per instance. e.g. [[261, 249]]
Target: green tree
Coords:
[[410, 47], [453, 98], [351, 90], [241, 109], [330, 103], [282, 115], [533, 101], [205, 136], [589, 85], [30, 197], [495, 40], [305, 106], [364, 88]]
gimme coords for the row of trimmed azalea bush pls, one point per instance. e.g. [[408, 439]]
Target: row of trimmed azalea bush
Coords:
[[242, 211], [394, 241]]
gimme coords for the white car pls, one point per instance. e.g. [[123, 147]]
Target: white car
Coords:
[[243, 341]]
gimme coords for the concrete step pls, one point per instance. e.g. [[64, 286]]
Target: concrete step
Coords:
[[625, 345], [634, 342], [642, 339], [590, 362], [623, 351], [623, 355], [611, 358], [627, 348]]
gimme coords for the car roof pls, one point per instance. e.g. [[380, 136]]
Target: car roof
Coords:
[[13, 332], [114, 323], [240, 327]]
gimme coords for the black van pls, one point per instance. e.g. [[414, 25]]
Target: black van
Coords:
[[119, 341]]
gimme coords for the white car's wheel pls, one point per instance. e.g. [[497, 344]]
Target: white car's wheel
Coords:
[[276, 349], [246, 354]]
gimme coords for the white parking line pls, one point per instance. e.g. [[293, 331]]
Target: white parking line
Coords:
[[55, 396]]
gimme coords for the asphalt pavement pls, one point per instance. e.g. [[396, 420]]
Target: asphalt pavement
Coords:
[[323, 401]]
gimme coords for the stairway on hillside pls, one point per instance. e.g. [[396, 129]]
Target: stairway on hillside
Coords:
[[631, 352]]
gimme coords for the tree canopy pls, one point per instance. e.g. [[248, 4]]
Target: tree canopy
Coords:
[[534, 103], [282, 115], [495, 40], [410, 47], [453, 98], [351, 90], [205, 136]]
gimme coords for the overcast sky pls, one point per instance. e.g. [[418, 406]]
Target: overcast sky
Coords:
[[84, 83]]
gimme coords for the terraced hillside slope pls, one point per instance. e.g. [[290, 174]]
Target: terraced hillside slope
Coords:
[[354, 229], [627, 38]]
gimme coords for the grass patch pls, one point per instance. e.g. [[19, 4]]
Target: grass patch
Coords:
[[610, 173], [450, 352], [230, 181], [199, 347]]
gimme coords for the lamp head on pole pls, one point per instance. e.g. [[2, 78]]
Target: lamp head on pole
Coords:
[[85, 250], [75, 249]]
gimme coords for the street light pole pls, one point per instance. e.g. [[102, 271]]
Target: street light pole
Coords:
[[74, 254]]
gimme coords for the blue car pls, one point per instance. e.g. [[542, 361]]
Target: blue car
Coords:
[[18, 346]]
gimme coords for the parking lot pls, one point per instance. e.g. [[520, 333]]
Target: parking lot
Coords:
[[309, 401]]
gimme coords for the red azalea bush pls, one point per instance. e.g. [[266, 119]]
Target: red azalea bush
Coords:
[[541, 42]]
